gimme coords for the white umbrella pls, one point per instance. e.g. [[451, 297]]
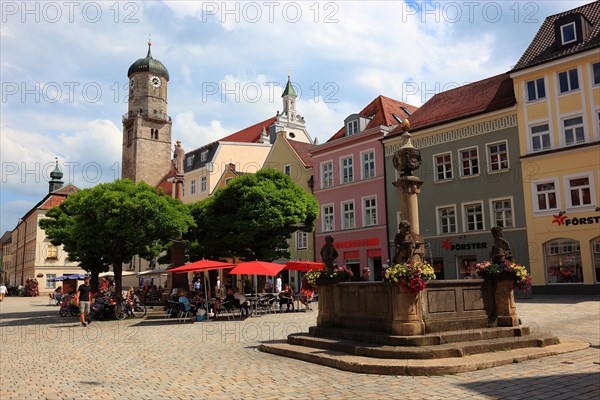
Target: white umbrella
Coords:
[[157, 271], [110, 273]]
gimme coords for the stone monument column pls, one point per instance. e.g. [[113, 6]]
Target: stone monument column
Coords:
[[407, 313], [177, 248], [406, 160]]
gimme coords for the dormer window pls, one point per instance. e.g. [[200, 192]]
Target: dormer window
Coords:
[[190, 160], [406, 110], [352, 127], [568, 34], [204, 156]]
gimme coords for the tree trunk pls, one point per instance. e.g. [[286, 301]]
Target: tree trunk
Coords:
[[94, 281], [118, 271]]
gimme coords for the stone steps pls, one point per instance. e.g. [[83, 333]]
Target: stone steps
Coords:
[[421, 340], [438, 366], [447, 350]]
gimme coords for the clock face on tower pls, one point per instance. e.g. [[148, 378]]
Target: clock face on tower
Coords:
[[155, 81]]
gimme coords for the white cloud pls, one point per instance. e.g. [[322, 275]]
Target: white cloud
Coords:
[[193, 135]]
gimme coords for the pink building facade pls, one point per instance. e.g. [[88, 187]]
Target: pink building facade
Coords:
[[349, 184]]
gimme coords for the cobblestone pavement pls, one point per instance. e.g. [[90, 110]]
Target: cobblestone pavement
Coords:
[[45, 356]]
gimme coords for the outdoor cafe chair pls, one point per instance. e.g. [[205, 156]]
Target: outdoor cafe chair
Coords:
[[171, 309], [185, 314]]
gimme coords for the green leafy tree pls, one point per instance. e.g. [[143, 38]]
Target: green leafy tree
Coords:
[[112, 222], [251, 218]]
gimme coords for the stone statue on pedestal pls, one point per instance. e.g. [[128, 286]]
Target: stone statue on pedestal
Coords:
[[501, 250], [179, 156], [328, 253], [404, 244]]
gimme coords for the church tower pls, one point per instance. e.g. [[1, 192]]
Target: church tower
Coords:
[[146, 126]]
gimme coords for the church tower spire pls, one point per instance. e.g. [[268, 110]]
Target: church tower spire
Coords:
[[146, 154], [55, 178], [289, 99]]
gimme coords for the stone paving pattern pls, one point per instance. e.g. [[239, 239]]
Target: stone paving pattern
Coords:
[[45, 356]]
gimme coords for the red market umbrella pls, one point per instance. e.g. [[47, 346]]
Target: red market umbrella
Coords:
[[303, 266], [257, 268], [202, 265]]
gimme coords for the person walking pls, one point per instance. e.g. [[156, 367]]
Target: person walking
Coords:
[[3, 291], [84, 299]]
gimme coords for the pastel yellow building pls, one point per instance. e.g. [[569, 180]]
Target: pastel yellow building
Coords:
[[557, 85], [292, 158]]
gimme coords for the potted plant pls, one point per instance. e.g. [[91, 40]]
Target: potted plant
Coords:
[[506, 270], [329, 276], [411, 276]]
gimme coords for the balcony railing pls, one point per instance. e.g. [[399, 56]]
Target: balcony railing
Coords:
[[146, 114]]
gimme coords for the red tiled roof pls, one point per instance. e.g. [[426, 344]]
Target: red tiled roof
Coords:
[[476, 98], [58, 196], [301, 149], [381, 111], [546, 46], [166, 185], [250, 134]]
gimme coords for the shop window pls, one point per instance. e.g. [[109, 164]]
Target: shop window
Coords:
[[563, 261], [438, 267], [596, 257], [466, 266]]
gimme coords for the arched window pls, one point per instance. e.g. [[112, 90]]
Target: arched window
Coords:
[[156, 134], [595, 245], [563, 261]]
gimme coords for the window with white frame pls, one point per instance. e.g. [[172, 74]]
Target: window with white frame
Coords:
[[568, 80], [502, 213], [301, 240], [203, 184], [574, 133], [469, 161], [579, 191], [190, 160], [193, 187], [348, 215], [536, 89], [327, 174], [347, 170], [50, 284], [443, 166], [497, 157], [546, 195], [540, 137], [328, 219], [370, 210], [446, 219], [352, 127], [473, 216], [204, 155], [568, 34], [596, 73], [368, 164], [287, 169]]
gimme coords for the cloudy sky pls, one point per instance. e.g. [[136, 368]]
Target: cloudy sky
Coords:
[[64, 70]]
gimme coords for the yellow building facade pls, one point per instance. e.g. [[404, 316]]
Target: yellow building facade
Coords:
[[557, 86]]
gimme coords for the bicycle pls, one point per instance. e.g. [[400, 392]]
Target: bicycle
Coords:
[[125, 309]]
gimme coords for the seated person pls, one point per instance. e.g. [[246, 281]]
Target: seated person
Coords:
[[174, 294], [243, 301], [186, 302], [306, 292], [226, 302], [286, 296]]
